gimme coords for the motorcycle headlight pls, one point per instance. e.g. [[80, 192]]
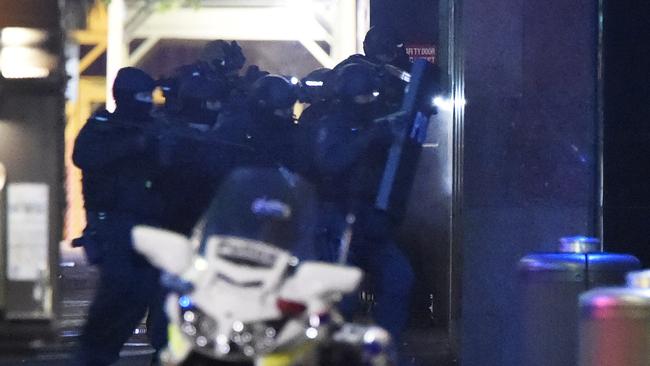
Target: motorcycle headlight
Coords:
[[244, 341]]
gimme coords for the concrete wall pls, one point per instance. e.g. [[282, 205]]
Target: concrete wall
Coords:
[[530, 167]]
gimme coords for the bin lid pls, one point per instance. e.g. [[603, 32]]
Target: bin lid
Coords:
[[638, 279], [616, 302], [579, 244]]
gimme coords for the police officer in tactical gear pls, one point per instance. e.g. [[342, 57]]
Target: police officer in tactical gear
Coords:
[[382, 45], [201, 100], [315, 91], [223, 57], [219, 62], [274, 130], [193, 162], [344, 135], [313, 87], [272, 99], [117, 156], [384, 48], [265, 122], [351, 154], [225, 61]]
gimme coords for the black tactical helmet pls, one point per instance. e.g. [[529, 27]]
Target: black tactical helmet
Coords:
[[273, 92], [382, 44], [314, 86], [265, 205], [130, 81], [354, 80], [222, 55]]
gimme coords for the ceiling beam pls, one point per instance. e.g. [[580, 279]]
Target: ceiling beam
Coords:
[[92, 56], [138, 54], [318, 52], [262, 24]]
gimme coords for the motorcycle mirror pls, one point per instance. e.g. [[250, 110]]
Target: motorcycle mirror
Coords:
[[166, 250], [318, 279]]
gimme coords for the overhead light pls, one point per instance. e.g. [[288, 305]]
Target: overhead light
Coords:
[[16, 36], [26, 72], [314, 83], [295, 80], [25, 63], [23, 54]]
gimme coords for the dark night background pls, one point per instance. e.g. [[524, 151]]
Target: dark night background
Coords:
[[627, 126], [417, 20]]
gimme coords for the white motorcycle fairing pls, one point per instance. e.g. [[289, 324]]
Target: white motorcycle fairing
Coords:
[[247, 297]]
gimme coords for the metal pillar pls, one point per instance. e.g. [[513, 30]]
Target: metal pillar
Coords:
[[116, 50], [344, 30]]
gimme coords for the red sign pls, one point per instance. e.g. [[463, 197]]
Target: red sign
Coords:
[[421, 51]]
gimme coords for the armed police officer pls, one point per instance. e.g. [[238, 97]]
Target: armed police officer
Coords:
[[265, 123], [314, 91], [195, 153], [117, 155], [385, 52], [187, 152], [221, 62], [351, 154], [274, 131]]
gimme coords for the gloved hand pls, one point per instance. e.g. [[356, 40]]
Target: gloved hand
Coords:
[[388, 127]]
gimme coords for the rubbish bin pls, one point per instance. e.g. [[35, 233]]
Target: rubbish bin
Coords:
[[615, 324], [549, 286]]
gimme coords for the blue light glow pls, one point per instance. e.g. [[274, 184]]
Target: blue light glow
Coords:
[[184, 301]]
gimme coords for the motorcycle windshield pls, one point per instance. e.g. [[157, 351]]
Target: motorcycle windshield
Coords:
[[269, 206]]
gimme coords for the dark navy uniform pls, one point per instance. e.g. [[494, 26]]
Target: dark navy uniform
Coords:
[[120, 176], [351, 154], [187, 152], [265, 124], [351, 159]]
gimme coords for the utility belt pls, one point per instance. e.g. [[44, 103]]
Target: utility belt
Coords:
[[142, 218], [93, 247], [104, 215]]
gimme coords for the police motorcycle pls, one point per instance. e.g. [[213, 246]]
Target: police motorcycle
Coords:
[[244, 289]]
